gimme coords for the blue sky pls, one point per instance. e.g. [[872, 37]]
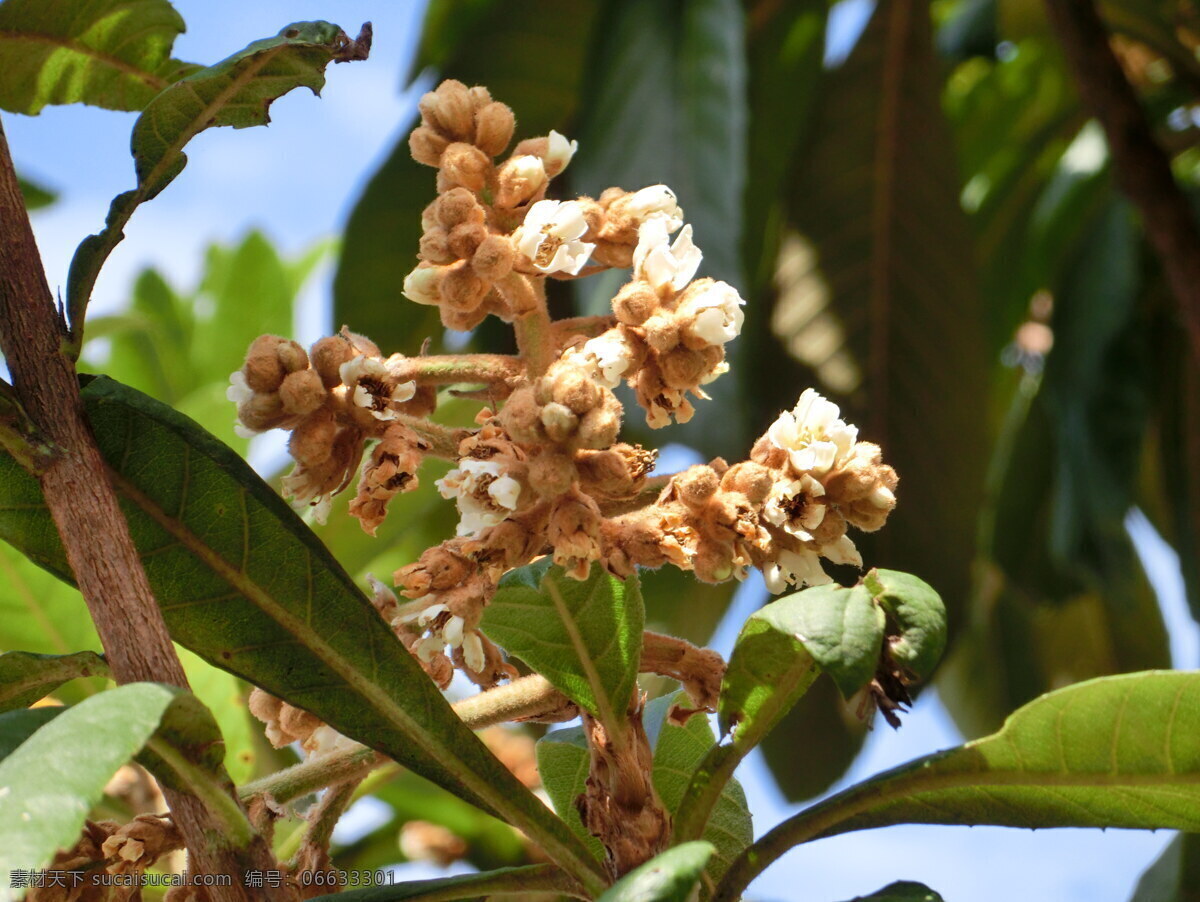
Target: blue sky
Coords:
[[296, 180]]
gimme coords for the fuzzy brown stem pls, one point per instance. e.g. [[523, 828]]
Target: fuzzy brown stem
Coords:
[[456, 369], [84, 506], [700, 670], [1141, 167]]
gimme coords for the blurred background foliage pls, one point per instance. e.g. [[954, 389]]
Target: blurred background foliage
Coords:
[[925, 228]]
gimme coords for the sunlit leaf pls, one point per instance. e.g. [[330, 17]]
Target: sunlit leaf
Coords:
[[108, 53], [584, 637], [563, 762], [670, 877]]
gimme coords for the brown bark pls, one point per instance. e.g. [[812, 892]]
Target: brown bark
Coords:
[[82, 502], [1141, 167]]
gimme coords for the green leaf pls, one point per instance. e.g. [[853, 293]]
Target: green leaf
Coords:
[[1113, 752], [108, 53], [534, 63], [770, 669], [841, 628], [677, 752], [238, 577], [877, 199], [666, 103], [916, 619], [534, 879], [584, 637], [26, 677], [17, 726], [237, 92], [222, 694], [563, 762], [36, 196], [670, 877], [54, 777], [1175, 875], [901, 891]]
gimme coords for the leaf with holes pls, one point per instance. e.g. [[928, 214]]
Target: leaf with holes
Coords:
[[108, 53], [1118, 751], [237, 92], [26, 677], [246, 585], [584, 637]]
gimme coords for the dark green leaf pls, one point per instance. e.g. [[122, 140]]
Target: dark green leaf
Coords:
[[109, 53], [1175, 874], [1113, 752], [237, 92], [666, 104], [670, 877], [26, 677], [563, 761], [901, 891], [17, 726], [536, 879], [534, 63], [841, 628], [677, 752], [584, 637], [54, 777], [877, 199], [238, 576]]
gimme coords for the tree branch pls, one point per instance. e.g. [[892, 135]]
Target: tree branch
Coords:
[[1141, 167], [84, 506]]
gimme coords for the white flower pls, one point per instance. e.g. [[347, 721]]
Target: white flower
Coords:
[[656, 201], [239, 390], [559, 152], [813, 434], [843, 551], [550, 237], [472, 647], [605, 358], [325, 740], [792, 506], [484, 493], [298, 486], [373, 389], [661, 264], [713, 315], [795, 568]]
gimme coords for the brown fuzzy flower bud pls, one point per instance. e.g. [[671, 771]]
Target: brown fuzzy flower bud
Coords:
[[601, 425], [312, 441], [438, 569], [265, 362], [449, 110], [713, 562], [575, 389], [423, 841], [460, 288], [458, 206], [520, 180], [263, 411], [480, 97], [551, 473], [465, 165], [662, 333], [328, 355], [750, 479], [434, 247], [635, 303], [493, 258], [423, 285], [462, 320], [683, 369], [521, 416], [494, 125], [696, 485], [426, 145], [831, 528], [465, 238], [302, 392]]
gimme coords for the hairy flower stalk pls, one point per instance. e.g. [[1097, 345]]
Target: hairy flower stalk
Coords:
[[544, 472]]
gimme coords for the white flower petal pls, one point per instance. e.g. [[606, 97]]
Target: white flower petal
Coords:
[[239, 390], [472, 647]]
